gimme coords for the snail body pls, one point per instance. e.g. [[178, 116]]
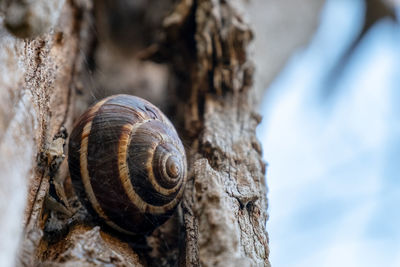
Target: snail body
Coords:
[[127, 164]]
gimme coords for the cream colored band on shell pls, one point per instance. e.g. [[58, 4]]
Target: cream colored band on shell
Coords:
[[125, 139], [85, 173]]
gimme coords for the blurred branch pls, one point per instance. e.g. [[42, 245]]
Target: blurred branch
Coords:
[[375, 11]]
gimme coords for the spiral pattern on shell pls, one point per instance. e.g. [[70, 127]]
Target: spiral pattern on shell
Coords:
[[127, 163]]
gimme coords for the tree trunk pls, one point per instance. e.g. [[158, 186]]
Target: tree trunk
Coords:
[[188, 57]]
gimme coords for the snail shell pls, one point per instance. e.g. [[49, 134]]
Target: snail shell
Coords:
[[127, 164]]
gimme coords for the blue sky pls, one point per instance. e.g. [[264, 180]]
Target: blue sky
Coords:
[[334, 163]]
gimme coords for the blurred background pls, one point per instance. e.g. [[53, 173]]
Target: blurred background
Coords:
[[329, 74]]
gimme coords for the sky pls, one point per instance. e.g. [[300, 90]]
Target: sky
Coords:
[[334, 161]]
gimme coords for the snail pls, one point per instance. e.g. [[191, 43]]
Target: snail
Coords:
[[127, 164]]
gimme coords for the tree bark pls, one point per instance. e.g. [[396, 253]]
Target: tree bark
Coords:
[[188, 57]]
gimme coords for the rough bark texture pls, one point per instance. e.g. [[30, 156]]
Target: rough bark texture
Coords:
[[36, 82], [227, 200], [188, 57]]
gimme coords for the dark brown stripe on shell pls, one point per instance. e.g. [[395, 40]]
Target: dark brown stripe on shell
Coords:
[[140, 107], [74, 160]]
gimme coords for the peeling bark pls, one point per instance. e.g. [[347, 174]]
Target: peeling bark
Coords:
[[226, 204]]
